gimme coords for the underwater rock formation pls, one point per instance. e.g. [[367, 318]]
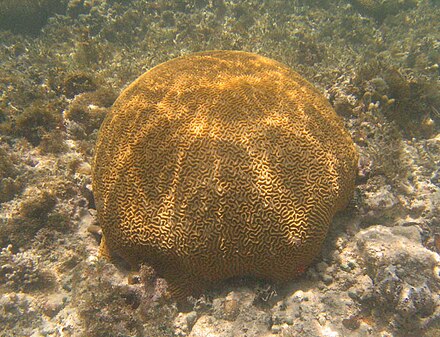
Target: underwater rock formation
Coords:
[[404, 275]]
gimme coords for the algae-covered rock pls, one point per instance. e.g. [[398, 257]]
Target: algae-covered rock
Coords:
[[21, 272], [405, 275]]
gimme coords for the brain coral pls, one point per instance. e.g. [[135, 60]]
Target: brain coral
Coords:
[[220, 164]]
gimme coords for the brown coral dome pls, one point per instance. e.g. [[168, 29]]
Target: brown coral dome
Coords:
[[220, 164]]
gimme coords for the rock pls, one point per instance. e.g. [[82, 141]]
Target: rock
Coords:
[[380, 201], [209, 326], [351, 323], [184, 323], [327, 279], [234, 315], [321, 266], [363, 289], [412, 233], [403, 273], [231, 306]]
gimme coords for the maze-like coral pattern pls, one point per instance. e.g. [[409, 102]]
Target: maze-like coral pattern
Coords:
[[221, 164]]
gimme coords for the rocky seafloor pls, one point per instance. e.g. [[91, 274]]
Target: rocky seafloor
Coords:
[[63, 63]]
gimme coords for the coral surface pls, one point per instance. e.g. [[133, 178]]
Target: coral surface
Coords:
[[221, 164]]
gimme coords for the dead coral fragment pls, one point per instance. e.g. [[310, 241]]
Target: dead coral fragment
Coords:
[[21, 272], [110, 309], [13, 308]]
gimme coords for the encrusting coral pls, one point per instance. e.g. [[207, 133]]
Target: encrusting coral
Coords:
[[220, 164]]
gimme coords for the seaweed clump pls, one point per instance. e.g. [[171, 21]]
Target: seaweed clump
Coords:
[[36, 212], [77, 83], [413, 104], [35, 122], [28, 16], [85, 114], [88, 109], [380, 9], [10, 182]]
